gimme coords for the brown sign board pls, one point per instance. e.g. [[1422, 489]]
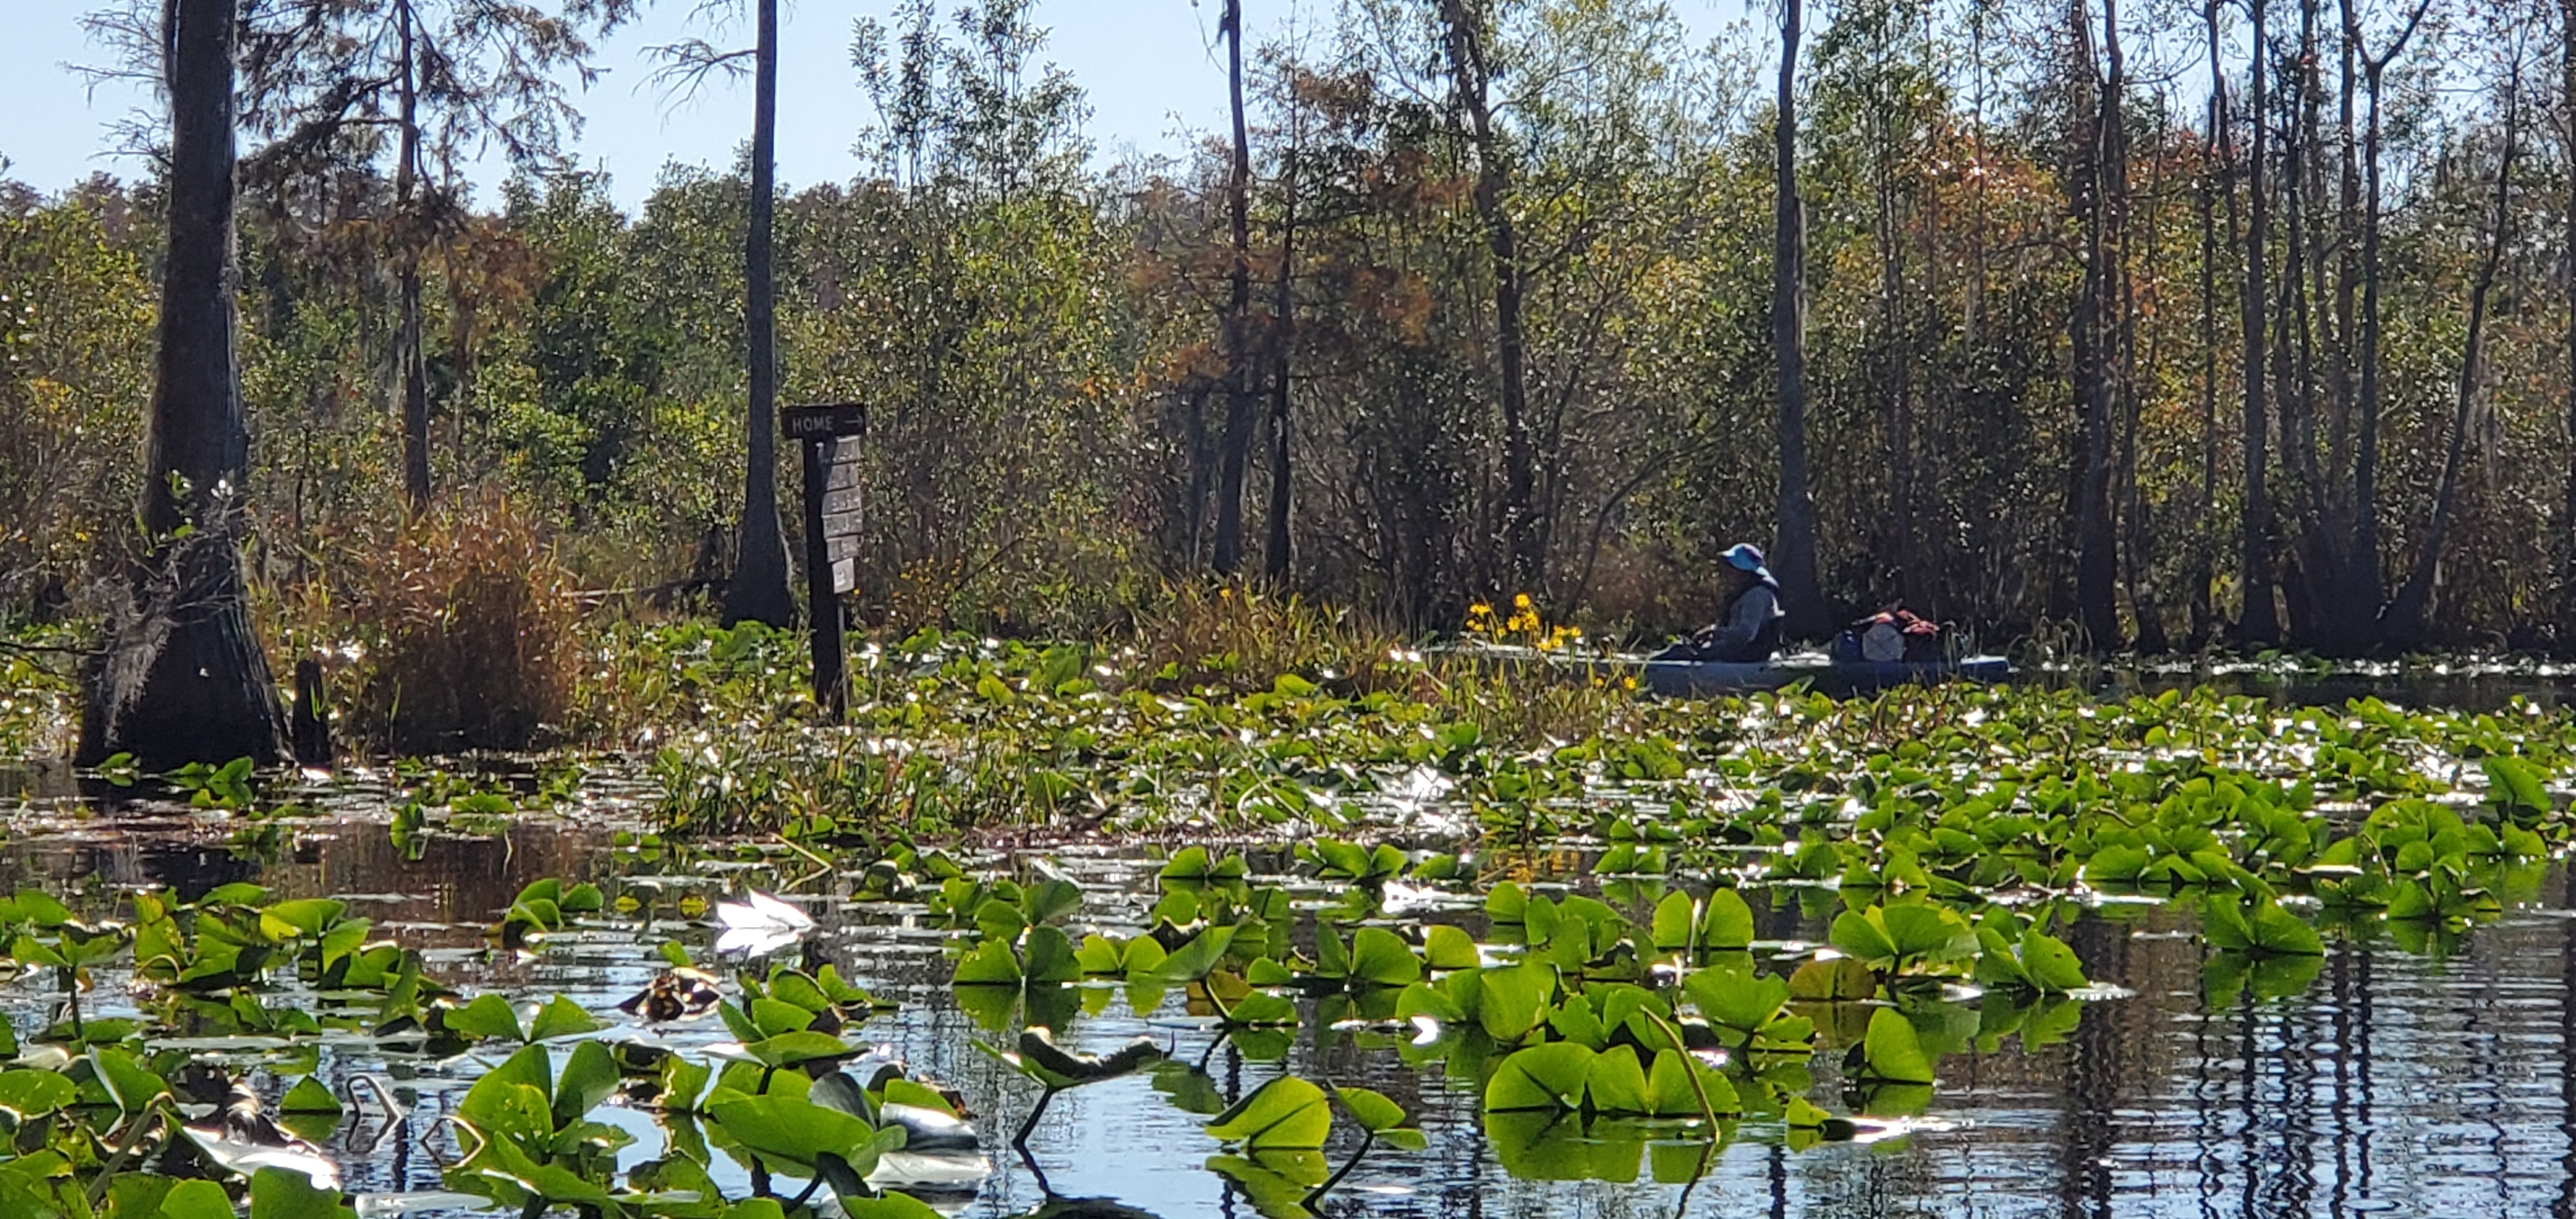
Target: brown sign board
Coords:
[[831, 435], [824, 422]]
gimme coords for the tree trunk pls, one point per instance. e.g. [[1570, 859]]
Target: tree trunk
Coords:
[[2258, 621], [182, 678], [1893, 354], [2361, 566], [2137, 537], [1239, 388], [2310, 581], [1473, 75], [2311, 308], [2567, 510], [2096, 159], [407, 226], [761, 590], [2403, 622], [2213, 182], [1794, 558], [1194, 437], [1283, 337]]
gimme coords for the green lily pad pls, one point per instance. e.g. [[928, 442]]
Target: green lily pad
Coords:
[[488, 1018], [309, 1095], [29, 1093], [196, 1200], [1372, 1110], [131, 1084], [1277, 1181], [1287, 1112], [276, 1193], [1513, 999], [1892, 1053], [1541, 1077], [1447, 947], [790, 1134], [1379, 957]]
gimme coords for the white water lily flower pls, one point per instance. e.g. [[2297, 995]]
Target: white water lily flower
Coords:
[[932, 1170], [759, 925], [246, 1158], [384, 1206]]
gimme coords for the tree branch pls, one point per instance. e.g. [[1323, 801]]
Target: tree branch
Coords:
[[689, 63]]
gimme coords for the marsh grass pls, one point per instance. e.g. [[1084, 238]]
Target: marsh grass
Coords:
[[839, 785], [1238, 638], [1532, 706], [467, 630]]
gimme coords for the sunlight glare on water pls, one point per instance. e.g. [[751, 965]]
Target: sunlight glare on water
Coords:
[[2391, 1083]]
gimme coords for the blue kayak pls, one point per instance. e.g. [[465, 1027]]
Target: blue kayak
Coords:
[[1700, 678]]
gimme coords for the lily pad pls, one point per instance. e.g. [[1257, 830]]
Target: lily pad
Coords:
[[1287, 1112], [1553, 1076]]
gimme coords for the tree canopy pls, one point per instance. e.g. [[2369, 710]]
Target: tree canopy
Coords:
[[2121, 323]]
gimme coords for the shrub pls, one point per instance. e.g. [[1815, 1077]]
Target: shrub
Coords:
[[38, 699], [473, 622]]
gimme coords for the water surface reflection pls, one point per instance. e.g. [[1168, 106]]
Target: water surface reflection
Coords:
[[2391, 1083]]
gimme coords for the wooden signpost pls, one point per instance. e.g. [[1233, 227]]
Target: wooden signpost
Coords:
[[831, 435]]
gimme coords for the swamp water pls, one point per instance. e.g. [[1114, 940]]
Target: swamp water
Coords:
[[2396, 1074]]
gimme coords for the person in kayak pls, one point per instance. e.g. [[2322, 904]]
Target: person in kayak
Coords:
[[1748, 630]]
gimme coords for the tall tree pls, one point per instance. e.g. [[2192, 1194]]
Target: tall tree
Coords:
[[2258, 620], [2095, 183], [1275, 554], [760, 591], [410, 365], [1236, 446], [1794, 558], [2402, 623], [2361, 563], [2566, 600], [182, 678], [2217, 164], [450, 78], [761, 587], [1467, 30]]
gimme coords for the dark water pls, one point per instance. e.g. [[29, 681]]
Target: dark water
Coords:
[[2463, 686], [2393, 1083]]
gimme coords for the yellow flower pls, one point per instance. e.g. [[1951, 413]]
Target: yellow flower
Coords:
[[1480, 610], [1520, 601]]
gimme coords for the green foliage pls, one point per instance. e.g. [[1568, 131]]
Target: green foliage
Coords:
[[77, 310], [1904, 939], [1287, 1112]]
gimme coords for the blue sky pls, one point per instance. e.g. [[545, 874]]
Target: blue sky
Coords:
[[1149, 67]]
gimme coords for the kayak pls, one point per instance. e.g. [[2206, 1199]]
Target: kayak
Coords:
[[1698, 678]]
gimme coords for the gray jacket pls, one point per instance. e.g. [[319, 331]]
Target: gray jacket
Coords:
[[1748, 617]]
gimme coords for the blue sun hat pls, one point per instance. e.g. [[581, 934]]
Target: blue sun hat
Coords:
[[1745, 556]]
